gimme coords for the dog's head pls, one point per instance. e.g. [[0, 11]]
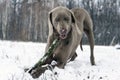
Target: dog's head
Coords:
[[61, 20]]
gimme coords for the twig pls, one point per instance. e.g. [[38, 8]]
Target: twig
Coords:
[[47, 54]]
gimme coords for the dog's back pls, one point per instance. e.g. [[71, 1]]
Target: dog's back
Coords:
[[82, 16]]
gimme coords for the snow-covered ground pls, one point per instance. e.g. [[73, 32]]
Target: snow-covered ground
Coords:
[[16, 56]]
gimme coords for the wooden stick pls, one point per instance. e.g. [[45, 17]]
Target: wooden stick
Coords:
[[47, 54]]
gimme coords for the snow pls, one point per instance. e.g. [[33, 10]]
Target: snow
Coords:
[[16, 56]]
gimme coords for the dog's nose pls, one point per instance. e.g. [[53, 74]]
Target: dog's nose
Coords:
[[63, 31]]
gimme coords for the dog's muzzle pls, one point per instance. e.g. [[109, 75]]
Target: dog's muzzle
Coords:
[[63, 33]]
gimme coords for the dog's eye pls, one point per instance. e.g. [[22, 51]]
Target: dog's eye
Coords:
[[57, 19], [66, 19]]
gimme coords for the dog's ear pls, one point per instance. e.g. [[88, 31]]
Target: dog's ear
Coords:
[[72, 17], [50, 24]]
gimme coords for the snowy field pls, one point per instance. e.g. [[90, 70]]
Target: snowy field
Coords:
[[16, 56]]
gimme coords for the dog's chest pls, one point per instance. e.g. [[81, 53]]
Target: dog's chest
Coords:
[[63, 46]]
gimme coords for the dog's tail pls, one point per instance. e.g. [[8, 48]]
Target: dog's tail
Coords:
[[81, 45]]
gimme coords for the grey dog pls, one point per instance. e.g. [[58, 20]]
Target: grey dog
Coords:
[[68, 26]]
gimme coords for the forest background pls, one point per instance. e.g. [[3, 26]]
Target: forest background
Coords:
[[26, 20]]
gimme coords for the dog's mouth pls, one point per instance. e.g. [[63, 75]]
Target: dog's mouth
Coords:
[[63, 36]]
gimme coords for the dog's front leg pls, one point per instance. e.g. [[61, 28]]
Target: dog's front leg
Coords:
[[61, 60]]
